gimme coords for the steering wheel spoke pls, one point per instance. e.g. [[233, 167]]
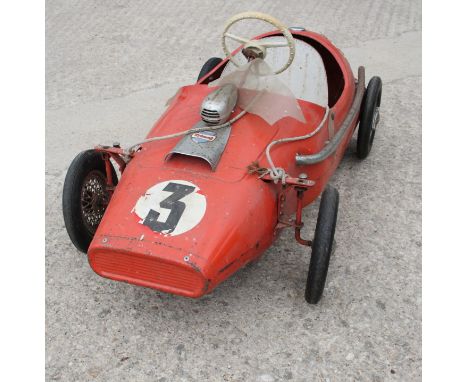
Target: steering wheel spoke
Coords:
[[237, 38]]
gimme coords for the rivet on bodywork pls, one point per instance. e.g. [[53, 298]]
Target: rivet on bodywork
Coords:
[[186, 258], [104, 240]]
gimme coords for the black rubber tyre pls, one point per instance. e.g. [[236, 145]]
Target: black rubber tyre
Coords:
[[322, 245], [369, 117], [85, 198], [208, 67]]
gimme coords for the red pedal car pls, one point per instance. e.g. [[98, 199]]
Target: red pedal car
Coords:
[[231, 162]]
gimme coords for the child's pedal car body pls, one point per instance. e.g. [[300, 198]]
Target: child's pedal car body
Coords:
[[226, 167]]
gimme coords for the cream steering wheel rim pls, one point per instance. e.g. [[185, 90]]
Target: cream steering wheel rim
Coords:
[[270, 20]]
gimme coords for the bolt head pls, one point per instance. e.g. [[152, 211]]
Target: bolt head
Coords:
[[303, 176]]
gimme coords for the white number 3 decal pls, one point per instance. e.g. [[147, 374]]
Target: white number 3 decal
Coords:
[[172, 207]]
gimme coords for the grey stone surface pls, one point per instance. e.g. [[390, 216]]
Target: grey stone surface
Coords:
[[111, 66]]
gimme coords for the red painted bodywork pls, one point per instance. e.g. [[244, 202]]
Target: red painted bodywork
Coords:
[[241, 214]]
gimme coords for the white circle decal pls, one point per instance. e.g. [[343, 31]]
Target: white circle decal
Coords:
[[172, 207]]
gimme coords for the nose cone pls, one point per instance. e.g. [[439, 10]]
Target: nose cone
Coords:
[[182, 236]]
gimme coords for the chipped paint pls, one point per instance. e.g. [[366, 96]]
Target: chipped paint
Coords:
[[194, 266], [226, 266]]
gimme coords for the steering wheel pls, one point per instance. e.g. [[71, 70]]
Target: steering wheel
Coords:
[[260, 46]]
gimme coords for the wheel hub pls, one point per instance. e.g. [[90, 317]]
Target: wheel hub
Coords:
[[94, 200]]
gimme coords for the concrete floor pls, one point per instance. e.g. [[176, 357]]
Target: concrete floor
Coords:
[[110, 67]]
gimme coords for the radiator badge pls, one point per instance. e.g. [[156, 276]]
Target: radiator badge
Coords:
[[204, 136]]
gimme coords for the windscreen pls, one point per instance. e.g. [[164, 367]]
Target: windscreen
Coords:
[[261, 92]]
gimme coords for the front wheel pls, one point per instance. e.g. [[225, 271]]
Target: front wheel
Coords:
[[85, 197], [322, 245]]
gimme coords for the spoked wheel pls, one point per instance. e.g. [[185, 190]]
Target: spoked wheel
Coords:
[[322, 245], [369, 118], [85, 197], [94, 200]]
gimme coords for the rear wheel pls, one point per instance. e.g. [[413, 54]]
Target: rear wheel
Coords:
[[85, 197], [369, 118], [322, 245], [208, 67]]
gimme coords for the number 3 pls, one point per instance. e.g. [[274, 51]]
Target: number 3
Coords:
[[172, 203]]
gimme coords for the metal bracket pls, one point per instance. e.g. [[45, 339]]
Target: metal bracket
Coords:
[[290, 181], [298, 222], [300, 184], [116, 153]]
